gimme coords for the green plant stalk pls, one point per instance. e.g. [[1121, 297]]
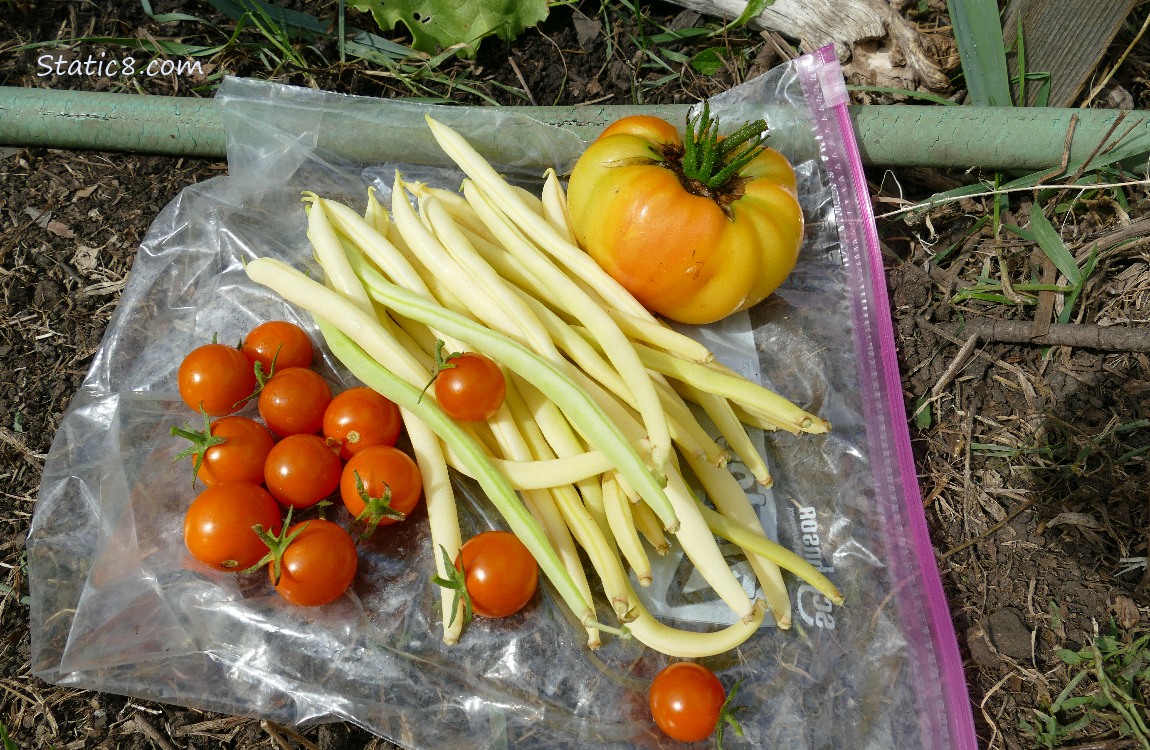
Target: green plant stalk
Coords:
[[1120, 702]]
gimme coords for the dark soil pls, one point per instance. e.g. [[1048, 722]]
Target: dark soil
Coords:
[[1032, 461]]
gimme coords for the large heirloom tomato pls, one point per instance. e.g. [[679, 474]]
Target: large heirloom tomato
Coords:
[[695, 228]]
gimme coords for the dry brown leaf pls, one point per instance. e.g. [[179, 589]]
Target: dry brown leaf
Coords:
[[60, 229], [1126, 613], [84, 193]]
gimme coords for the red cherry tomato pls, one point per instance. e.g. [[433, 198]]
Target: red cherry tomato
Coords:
[[686, 701], [281, 341], [379, 482], [218, 525], [294, 400], [241, 457], [216, 377], [359, 418], [471, 388], [500, 572], [301, 470], [318, 565]]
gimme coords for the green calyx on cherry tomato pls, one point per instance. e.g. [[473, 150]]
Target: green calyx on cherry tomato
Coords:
[[469, 386], [218, 525], [216, 378], [380, 485], [495, 574], [696, 228], [689, 704], [359, 418], [310, 563], [229, 449], [278, 344], [301, 470], [293, 401]]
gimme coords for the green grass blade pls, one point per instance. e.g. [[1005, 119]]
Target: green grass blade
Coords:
[[159, 47], [1072, 298], [168, 17], [1053, 247], [754, 8], [895, 91], [978, 34], [359, 43]]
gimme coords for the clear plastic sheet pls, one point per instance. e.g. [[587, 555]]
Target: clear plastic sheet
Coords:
[[119, 606]]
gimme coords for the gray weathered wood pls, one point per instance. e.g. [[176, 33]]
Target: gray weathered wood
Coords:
[[1065, 38]]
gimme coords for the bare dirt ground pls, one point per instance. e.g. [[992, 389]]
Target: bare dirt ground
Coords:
[[1032, 460]]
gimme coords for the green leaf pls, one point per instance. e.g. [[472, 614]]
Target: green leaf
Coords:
[[1072, 703], [708, 62], [1052, 245], [440, 24], [922, 412], [1072, 658], [1072, 298], [754, 8], [978, 34]]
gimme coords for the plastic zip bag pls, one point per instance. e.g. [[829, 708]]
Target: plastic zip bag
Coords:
[[119, 606]]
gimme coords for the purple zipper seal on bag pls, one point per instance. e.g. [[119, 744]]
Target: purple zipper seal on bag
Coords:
[[928, 626]]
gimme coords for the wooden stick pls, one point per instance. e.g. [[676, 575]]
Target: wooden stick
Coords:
[[1077, 335]]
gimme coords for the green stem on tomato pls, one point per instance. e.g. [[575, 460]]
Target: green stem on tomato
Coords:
[[713, 162], [727, 717], [455, 580], [375, 509], [277, 544], [201, 440]]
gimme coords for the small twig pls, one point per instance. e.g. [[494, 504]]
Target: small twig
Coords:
[[957, 364], [1102, 147], [1135, 230], [522, 81], [14, 440], [277, 732], [14, 237], [1045, 308], [151, 733], [1130, 338], [984, 535], [780, 46]]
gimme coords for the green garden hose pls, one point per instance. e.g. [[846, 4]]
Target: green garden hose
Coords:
[[1006, 138]]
